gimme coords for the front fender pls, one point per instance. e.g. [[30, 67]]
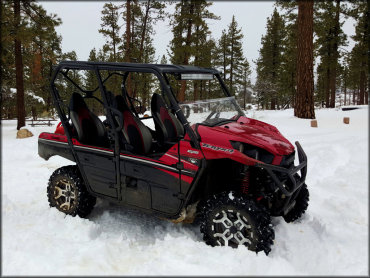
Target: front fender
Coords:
[[218, 152]]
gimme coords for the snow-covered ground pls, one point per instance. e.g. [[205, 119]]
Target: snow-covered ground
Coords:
[[331, 239]]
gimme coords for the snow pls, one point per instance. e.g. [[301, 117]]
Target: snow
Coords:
[[331, 238], [231, 196], [38, 98]]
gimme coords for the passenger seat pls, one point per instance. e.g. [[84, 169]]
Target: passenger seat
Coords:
[[138, 134], [90, 129]]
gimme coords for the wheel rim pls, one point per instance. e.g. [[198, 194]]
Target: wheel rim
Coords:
[[65, 195], [231, 229]]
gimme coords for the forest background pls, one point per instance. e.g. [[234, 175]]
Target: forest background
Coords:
[[304, 61]]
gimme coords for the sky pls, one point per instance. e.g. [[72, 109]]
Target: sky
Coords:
[[81, 22]]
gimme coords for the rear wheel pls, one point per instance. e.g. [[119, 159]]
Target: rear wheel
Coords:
[[300, 206], [231, 220], [67, 192]]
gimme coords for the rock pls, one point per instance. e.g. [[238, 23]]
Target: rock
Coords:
[[314, 123], [24, 133], [346, 120]]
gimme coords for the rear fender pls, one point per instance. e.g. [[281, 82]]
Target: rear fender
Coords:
[[52, 144]]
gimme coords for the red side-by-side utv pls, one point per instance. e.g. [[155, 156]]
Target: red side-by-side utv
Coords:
[[196, 159]]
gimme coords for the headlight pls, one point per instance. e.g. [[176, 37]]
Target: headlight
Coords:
[[253, 152]]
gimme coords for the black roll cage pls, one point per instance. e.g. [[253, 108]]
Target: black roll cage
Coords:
[[159, 70]]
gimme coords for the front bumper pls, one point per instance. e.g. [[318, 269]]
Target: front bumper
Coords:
[[287, 179]]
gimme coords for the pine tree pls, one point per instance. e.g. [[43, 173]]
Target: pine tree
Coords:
[[28, 38], [137, 42], [330, 38], [163, 59], [21, 112], [244, 81], [111, 30], [91, 83], [44, 52], [190, 32], [361, 13], [235, 37], [230, 59], [270, 62], [288, 75]]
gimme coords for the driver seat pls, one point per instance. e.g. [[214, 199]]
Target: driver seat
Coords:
[[167, 126]]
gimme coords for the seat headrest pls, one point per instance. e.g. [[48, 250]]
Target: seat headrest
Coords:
[[157, 102], [76, 102], [121, 103]]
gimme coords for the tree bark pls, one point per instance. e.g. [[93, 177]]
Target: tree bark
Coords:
[[333, 77], [345, 93], [21, 113], [128, 30], [362, 86], [327, 88], [224, 55], [143, 32], [304, 107]]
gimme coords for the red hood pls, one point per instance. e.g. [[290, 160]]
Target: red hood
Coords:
[[249, 131]]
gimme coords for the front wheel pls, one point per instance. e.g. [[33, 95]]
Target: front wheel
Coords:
[[67, 192], [300, 207], [231, 220]]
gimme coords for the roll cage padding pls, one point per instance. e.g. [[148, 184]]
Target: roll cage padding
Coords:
[[167, 126], [90, 129], [138, 134]]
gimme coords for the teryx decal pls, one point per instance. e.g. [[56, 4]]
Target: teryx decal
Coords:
[[217, 148]]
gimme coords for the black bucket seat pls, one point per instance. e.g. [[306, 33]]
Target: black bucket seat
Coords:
[[138, 134], [167, 126], [90, 129]]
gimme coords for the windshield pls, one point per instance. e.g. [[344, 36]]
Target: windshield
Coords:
[[205, 102], [211, 112]]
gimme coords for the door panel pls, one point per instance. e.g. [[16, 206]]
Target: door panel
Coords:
[[99, 168], [143, 177]]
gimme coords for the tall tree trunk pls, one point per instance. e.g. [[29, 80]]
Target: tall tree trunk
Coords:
[[304, 107], [362, 85], [128, 42], [224, 56], [231, 64], [331, 85], [294, 92], [335, 57], [196, 90], [327, 86], [128, 30], [273, 103], [143, 32], [345, 93], [21, 113], [114, 39]]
